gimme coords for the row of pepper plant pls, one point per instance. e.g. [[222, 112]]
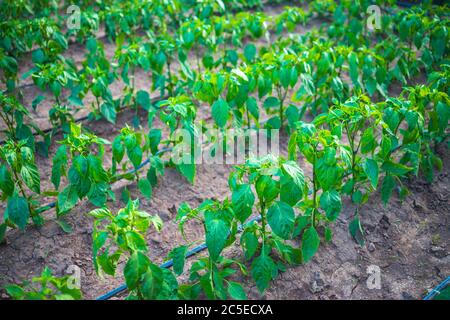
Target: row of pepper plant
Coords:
[[361, 139]]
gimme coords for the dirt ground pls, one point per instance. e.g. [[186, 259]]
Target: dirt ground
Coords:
[[408, 241]]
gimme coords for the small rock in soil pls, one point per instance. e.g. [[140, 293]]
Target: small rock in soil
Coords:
[[384, 222], [438, 252], [407, 296], [371, 247], [317, 284], [164, 216], [156, 239], [172, 209]]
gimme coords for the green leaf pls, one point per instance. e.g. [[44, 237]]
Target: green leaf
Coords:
[[38, 56], [310, 243], [30, 176], [15, 291], [59, 162], [135, 268], [6, 182], [135, 241], [109, 112], [135, 156], [330, 201], [178, 256], [143, 99], [356, 231], [250, 243], [252, 107], [118, 149], [145, 187], [18, 211], [216, 236], [353, 64], [443, 112], [267, 188], [289, 191], [327, 172], [371, 170], [250, 52], [67, 228], [396, 169], [271, 102], [155, 138], [281, 218], [36, 101], [3, 228], [387, 188], [371, 86], [91, 44], [152, 284], [294, 171], [263, 271], [68, 198], [243, 200], [220, 111], [236, 291], [368, 142], [328, 234], [188, 171]]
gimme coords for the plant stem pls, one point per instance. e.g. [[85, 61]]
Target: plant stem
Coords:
[[313, 215], [170, 78], [248, 118], [263, 221]]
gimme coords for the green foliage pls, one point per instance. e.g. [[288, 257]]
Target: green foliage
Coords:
[[45, 287], [121, 236], [360, 141], [86, 175]]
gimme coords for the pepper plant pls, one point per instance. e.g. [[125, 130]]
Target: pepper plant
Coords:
[[86, 176], [45, 287], [328, 158], [279, 186], [136, 145], [96, 77], [18, 176], [210, 274], [121, 236], [359, 120]]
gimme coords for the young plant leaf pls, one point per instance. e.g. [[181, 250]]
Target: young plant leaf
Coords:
[[310, 243]]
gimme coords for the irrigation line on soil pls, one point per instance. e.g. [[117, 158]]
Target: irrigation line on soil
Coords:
[[169, 263], [438, 289]]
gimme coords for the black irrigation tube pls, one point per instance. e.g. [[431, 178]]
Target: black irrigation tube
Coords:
[[169, 263]]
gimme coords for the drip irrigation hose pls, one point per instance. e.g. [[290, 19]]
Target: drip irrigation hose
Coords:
[[438, 289], [169, 263]]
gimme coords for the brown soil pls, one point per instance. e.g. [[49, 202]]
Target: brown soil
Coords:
[[409, 241]]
